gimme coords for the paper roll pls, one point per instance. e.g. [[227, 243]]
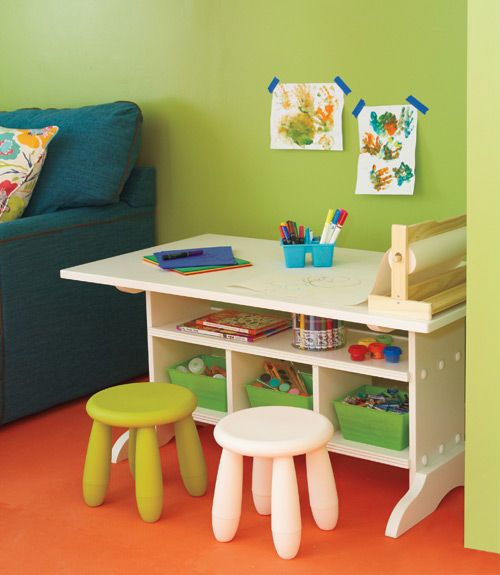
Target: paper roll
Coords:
[[436, 250]]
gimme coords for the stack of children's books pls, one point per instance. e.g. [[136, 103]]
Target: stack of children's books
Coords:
[[197, 260], [237, 325]]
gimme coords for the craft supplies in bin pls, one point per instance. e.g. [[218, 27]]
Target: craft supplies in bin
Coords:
[[374, 415], [281, 384], [317, 333], [298, 241], [205, 376]]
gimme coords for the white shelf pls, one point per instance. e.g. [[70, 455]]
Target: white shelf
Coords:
[[369, 452], [208, 415], [279, 347]]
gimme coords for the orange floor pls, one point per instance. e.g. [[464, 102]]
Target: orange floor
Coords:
[[45, 528]]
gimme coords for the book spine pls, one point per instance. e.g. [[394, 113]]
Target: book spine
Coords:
[[229, 327], [243, 330], [190, 329]]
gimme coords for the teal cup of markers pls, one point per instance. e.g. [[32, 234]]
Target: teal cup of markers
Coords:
[[314, 333], [321, 254]]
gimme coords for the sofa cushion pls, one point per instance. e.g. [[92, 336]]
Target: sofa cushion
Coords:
[[91, 158], [22, 154]]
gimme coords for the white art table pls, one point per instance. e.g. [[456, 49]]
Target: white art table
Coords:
[[432, 367]]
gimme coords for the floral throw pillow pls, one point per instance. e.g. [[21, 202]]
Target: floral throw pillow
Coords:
[[22, 153]]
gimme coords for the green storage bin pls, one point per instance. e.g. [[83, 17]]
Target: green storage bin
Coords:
[[385, 429], [259, 396], [210, 391]]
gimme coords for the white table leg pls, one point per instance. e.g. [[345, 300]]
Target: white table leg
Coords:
[[322, 489], [426, 491], [226, 508], [285, 517], [119, 451], [262, 472]]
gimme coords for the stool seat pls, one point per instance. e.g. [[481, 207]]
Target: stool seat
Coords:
[[273, 431], [141, 404]]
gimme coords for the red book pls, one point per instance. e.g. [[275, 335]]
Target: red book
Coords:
[[193, 327], [242, 321]]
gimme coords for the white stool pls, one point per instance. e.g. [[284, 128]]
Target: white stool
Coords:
[[272, 436]]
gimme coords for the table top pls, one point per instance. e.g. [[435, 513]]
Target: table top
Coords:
[[322, 292]]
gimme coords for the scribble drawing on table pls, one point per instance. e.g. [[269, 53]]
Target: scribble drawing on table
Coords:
[[307, 117], [294, 288]]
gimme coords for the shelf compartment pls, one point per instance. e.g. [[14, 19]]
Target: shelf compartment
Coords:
[[330, 384], [164, 354], [243, 369], [279, 347]]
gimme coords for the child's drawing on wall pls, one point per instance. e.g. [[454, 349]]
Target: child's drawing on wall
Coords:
[[307, 117], [387, 139]]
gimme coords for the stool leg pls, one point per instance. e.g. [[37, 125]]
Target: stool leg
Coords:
[[322, 490], [148, 475], [285, 517], [97, 464], [190, 456], [226, 507], [262, 472], [132, 435]]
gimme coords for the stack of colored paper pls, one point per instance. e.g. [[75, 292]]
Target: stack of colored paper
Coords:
[[197, 261]]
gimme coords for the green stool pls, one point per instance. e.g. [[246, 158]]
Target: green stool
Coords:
[[141, 407]]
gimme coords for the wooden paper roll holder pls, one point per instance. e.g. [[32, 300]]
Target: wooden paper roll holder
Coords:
[[422, 299]]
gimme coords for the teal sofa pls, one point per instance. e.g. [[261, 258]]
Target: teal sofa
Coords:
[[60, 340]]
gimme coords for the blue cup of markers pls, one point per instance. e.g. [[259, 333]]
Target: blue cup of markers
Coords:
[[321, 254]]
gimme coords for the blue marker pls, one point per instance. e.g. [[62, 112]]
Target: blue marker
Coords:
[[287, 234]]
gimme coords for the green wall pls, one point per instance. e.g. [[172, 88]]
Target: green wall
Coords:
[[200, 69], [482, 456]]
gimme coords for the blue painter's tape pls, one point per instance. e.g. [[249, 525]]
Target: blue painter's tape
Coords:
[[418, 104], [342, 85], [359, 106], [274, 82]]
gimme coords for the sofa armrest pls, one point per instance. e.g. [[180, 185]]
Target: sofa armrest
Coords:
[[51, 327], [139, 190]]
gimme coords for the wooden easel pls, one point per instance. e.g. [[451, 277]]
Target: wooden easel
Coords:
[[425, 298]]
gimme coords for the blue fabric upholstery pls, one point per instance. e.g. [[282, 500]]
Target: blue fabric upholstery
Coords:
[[63, 339], [90, 158], [140, 188]]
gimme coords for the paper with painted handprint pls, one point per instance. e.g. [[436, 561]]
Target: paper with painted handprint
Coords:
[[387, 140], [307, 117]]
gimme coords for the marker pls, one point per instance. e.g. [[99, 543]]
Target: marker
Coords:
[[301, 234], [187, 254], [338, 228], [329, 217], [291, 230], [302, 334], [332, 226], [286, 233], [307, 239]]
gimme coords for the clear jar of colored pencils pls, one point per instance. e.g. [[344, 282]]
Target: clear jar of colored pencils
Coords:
[[313, 333]]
